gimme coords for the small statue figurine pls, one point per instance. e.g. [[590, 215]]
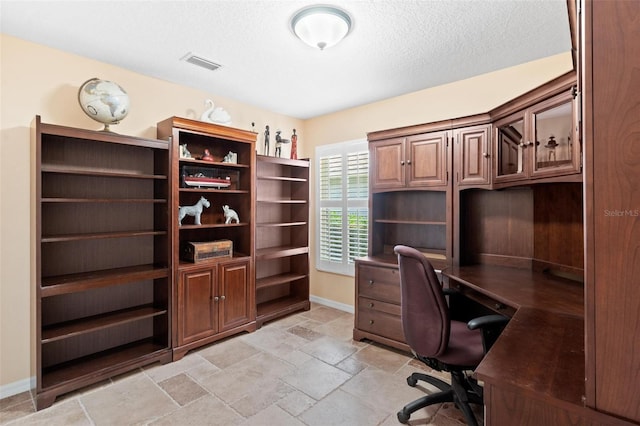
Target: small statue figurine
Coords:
[[294, 145], [194, 210], [279, 142], [266, 140], [184, 152], [207, 156], [230, 214]]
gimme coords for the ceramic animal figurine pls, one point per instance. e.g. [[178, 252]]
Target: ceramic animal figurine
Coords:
[[230, 215], [213, 114], [194, 210]]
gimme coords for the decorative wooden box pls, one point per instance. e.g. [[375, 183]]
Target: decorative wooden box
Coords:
[[197, 252]]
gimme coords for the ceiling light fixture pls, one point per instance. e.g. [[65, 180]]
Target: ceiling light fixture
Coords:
[[321, 26]]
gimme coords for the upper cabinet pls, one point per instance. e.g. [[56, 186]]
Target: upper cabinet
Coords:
[[537, 142], [472, 156], [417, 161]]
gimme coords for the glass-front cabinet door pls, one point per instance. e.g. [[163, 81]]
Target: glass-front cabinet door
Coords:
[[554, 144], [509, 148]]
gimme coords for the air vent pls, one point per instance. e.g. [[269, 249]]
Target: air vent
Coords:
[[201, 62]]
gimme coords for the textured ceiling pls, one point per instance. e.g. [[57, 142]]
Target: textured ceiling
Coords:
[[395, 47]]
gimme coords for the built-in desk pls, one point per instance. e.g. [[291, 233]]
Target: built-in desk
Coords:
[[534, 373]]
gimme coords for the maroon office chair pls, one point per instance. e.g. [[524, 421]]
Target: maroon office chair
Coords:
[[440, 342]]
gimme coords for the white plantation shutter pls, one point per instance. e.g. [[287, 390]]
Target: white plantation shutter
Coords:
[[342, 188]]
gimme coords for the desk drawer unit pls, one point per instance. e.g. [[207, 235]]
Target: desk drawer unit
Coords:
[[378, 304], [380, 318]]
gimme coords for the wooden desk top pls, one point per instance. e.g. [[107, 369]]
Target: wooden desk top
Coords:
[[521, 288], [541, 351]]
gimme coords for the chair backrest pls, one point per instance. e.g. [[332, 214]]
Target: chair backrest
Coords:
[[425, 314]]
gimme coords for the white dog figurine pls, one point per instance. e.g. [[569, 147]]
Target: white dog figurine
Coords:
[[194, 210], [230, 215]]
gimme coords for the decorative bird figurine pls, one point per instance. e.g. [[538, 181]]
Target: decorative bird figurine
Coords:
[[214, 114]]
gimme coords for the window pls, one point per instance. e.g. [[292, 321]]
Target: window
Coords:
[[342, 194]]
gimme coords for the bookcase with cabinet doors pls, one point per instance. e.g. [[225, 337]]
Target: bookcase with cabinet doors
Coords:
[[214, 296], [282, 237], [103, 269]]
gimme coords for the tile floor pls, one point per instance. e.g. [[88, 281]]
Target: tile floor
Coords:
[[304, 369]]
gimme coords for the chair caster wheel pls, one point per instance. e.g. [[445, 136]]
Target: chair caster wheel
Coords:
[[403, 418], [411, 381]]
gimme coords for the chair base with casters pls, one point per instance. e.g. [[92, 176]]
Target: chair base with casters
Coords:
[[462, 391]]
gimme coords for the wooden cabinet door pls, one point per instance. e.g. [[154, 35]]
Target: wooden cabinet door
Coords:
[[553, 146], [235, 301], [387, 164], [196, 312], [509, 149], [426, 160], [472, 157]]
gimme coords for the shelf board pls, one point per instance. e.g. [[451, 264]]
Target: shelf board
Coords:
[[283, 251], [72, 283], [213, 225], [411, 222], [98, 235], [102, 200], [278, 307], [113, 360], [213, 190], [282, 178], [275, 280], [97, 322], [279, 224], [281, 201], [214, 163], [52, 168], [283, 161]]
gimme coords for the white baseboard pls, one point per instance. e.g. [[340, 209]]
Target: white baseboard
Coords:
[[332, 304], [15, 388]]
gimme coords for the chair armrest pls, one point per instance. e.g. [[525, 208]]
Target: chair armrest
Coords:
[[488, 321], [491, 327]]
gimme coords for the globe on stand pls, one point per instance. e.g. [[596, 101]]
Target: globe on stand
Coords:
[[104, 101]]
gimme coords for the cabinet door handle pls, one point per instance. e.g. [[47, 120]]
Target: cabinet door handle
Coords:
[[409, 162], [222, 297], [530, 143], [485, 154], [402, 163], [215, 299]]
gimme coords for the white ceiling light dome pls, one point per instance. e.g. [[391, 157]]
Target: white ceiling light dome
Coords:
[[321, 26]]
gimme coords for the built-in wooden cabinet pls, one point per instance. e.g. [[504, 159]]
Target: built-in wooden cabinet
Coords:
[[215, 163], [282, 237], [212, 299], [378, 313], [472, 156], [540, 141], [415, 161], [103, 264]]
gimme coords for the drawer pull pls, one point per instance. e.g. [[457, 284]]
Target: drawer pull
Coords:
[[371, 304], [499, 306], [371, 322], [370, 282]]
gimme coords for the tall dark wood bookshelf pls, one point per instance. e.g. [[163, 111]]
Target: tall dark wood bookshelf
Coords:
[[103, 270]]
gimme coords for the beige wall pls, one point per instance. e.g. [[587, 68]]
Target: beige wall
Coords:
[[462, 98], [38, 80]]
